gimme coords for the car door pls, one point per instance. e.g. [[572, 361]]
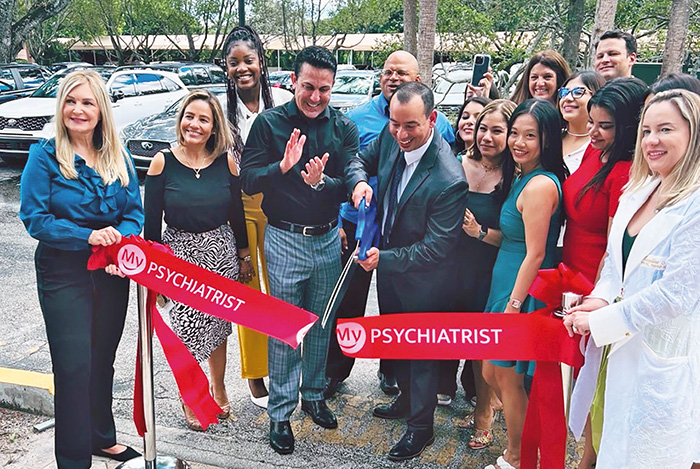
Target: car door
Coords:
[[123, 92]]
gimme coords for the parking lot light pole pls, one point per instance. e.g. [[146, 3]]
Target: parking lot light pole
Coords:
[[150, 459]]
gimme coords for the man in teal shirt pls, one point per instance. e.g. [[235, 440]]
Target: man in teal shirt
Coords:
[[370, 118]]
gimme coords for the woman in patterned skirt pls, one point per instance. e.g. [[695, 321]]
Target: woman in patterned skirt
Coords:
[[194, 185]]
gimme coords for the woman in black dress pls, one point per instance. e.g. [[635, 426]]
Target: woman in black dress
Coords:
[[478, 248], [194, 185]]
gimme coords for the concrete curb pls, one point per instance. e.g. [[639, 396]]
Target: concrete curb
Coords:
[[28, 391]]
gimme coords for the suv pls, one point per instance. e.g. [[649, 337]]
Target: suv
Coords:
[[192, 74], [135, 94], [19, 80]]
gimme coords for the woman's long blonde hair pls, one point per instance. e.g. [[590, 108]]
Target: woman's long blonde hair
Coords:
[[112, 161], [222, 133], [684, 178]]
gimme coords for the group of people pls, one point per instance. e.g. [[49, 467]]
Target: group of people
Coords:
[[267, 194]]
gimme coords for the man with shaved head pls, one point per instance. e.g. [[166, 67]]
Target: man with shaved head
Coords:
[[370, 118]]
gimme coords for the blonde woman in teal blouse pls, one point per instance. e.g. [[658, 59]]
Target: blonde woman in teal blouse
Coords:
[[77, 191]]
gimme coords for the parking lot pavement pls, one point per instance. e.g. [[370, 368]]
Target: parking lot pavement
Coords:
[[360, 441]]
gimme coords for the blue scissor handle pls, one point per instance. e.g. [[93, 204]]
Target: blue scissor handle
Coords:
[[367, 232]]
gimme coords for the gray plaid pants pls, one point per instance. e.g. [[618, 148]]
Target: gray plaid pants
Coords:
[[303, 271]]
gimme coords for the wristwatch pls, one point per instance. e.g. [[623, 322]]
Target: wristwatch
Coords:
[[517, 304], [320, 184], [482, 233], [245, 258]]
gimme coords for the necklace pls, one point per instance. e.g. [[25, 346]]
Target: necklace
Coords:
[[487, 170], [576, 135], [191, 166]]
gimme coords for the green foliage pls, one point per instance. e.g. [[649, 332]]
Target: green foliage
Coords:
[[365, 16]]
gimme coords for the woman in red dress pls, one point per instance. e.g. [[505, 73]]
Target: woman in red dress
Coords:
[[591, 194]]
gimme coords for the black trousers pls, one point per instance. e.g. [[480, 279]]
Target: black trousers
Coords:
[[447, 381], [418, 381], [84, 312], [352, 305]]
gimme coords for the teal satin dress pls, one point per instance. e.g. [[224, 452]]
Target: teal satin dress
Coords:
[[512, 254]]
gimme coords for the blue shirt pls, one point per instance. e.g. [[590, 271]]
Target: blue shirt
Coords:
[[63, 212], [370, 119]]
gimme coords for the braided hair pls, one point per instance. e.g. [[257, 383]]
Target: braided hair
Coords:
[[250, 37]]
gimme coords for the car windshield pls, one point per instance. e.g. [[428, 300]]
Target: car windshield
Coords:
[[444, 86], [352, 84], [50, 88]]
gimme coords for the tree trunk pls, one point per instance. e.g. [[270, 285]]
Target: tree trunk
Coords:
[[410, 26], [605, 11], [13, 35], [675, 40], [572, 34], [426, 39]]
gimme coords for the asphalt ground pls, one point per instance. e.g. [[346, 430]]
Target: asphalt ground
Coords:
[[360, 441]]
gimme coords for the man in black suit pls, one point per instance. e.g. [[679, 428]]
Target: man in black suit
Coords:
[[421, 198]]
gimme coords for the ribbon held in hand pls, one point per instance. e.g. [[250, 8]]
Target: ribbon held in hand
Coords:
[[155, 267]]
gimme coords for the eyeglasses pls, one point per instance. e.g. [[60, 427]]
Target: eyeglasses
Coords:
[[576, 93], [401, 73]]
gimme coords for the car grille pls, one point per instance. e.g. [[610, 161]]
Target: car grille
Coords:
[[146, 148], [24, 123], [450, 112]]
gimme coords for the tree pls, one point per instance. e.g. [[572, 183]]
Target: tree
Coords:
[[13, 32], [676, 36], [605, 11], [410, 26], [575, 18], [426, 39]]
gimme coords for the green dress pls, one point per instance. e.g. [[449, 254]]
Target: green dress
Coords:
[[512, 253]]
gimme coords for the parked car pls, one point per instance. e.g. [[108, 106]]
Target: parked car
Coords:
[[449, 91], [135, 94], [146, 137], [282, 79], [19, 80], [192, 74], [354, 87]]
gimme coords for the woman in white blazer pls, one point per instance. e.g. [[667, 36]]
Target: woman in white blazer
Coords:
[[646, 306]]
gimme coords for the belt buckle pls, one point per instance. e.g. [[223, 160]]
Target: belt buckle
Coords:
[[303, 230]]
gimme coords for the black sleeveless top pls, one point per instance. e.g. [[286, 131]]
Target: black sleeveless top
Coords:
[[194, 204]]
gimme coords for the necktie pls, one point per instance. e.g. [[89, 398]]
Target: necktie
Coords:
[[393, 195]]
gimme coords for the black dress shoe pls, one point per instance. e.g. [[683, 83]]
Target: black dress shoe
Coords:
[[281, 437], [320, 413], [331, 388], [388, 385], [396, 410], [411, 444], [128, 454]]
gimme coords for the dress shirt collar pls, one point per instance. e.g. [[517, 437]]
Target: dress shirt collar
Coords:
[[294, 111], [414, 156], [383, 104]]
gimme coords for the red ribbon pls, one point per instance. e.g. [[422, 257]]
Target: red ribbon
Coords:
[[544, 430], [155, 267], [535, 336]]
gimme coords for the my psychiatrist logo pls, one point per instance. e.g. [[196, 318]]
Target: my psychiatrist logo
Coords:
[[131, 259], [351, 337]]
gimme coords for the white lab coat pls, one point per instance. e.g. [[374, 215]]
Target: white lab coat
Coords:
[[652, 399]]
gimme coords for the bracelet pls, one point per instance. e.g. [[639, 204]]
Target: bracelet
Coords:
[[245, 258], [515, 303]]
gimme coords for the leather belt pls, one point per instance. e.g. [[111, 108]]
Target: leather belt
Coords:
[[306, 230]]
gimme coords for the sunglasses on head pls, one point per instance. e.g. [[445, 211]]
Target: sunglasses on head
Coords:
[[576, 93]]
